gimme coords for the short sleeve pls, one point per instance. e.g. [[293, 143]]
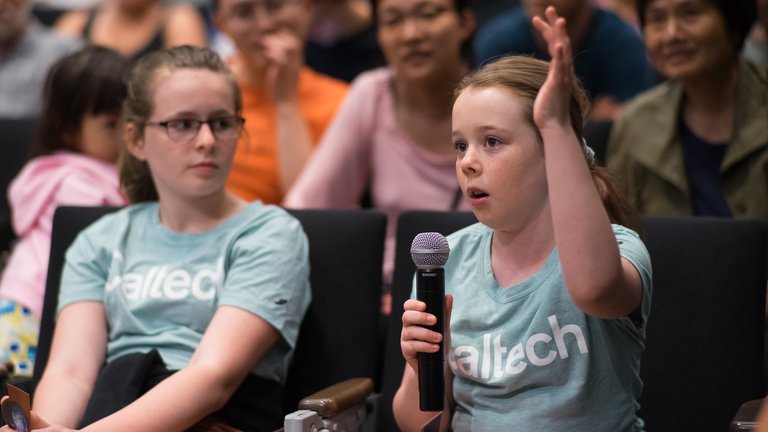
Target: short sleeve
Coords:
[[632, 248], [267, 273], [85, 273]]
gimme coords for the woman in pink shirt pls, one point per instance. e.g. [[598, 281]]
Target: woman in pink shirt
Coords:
[[392, 135]]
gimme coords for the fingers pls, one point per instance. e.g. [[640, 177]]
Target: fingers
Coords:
[[415, 338]]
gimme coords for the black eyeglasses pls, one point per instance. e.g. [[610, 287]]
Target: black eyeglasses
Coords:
[[222, 128]]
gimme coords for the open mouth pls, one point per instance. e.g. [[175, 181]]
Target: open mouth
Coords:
[[473, 193]]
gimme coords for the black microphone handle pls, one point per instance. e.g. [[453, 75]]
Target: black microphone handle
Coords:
[[430, 288]]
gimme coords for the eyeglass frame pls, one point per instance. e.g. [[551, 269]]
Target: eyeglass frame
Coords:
[[239, 123]]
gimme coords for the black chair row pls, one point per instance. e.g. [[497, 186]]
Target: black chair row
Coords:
[[16, 137], [705, 336]]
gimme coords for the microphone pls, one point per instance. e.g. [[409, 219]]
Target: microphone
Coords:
[[429, 252]]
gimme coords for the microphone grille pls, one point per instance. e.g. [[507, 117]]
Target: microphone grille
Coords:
[[429, 249]]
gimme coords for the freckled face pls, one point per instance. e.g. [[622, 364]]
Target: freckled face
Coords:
[[499, 160]]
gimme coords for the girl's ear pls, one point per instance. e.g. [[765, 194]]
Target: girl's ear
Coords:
[[134, 141]]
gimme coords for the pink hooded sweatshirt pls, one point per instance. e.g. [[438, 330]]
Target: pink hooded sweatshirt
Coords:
[[44, 183]]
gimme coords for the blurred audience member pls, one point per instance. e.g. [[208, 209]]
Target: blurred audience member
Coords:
[[135, 28], [756, 46], [609, 57], [698, 143], [624, 9], [341, 41], [392, 136], [286, 105], [74, 164], [27, 50]]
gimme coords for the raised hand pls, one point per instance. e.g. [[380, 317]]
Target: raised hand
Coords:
[[551, 105], [284, 53]]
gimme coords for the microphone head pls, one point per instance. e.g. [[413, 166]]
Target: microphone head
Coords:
[[429, 250]]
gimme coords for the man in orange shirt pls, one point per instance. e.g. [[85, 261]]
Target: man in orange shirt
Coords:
[[286, 105]]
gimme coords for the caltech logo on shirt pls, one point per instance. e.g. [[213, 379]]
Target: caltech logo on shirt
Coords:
[[469, 361], [159, 282]]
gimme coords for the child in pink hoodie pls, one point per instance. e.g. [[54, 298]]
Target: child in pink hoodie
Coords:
[[73, 164]]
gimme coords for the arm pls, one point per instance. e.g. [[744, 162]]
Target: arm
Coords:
[[414, 339], [338, 172], [599, 281], [184, 26], [284, 51], [77, 353]]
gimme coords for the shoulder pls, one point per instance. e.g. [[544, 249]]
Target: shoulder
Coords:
[[180, 13], [72, 23], [510, 29], [469, 238], [311, 79], [268, 221], [372, 81], [649, 102], [318, 90]]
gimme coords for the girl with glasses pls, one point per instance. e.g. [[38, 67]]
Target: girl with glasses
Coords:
[[176, 310]]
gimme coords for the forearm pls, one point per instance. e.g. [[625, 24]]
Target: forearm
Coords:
[[175, 404], [61, 398], [406, 402], [294, 142]]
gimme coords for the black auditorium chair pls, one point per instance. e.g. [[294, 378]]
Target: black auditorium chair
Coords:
[[16, 137], [704, 345], [705, 334], [337, 340]]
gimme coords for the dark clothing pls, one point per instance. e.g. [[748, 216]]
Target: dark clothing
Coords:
[[346, 58], [702, 165], [155, 44], [610, 61], [255, 406]]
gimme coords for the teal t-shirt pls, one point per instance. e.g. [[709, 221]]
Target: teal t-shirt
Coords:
[[525, 358], [161, 288]]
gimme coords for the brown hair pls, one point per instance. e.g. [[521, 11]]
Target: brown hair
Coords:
[[135, 175], [524, 76]]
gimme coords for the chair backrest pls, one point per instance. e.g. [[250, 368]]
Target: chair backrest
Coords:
[[409, 224], [705, 334], [67, 223], [16, 137], [339, 335], [338, 338]]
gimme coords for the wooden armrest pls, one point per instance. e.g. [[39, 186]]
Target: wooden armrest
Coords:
[[746, 417], [212, 424], [338, 397]]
